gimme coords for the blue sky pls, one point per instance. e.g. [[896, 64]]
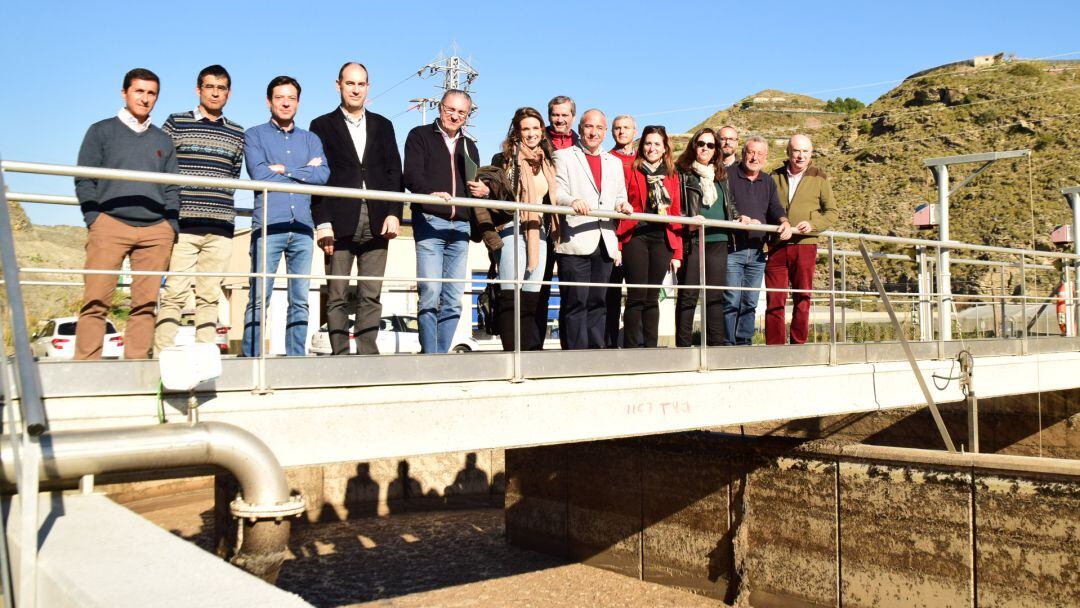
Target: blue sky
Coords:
[[664, 62]]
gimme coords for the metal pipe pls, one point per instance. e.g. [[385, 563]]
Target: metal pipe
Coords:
[[516, 375], [703, 361], [68, 455], [941, 174]]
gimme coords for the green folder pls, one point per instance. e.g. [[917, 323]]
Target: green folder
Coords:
[[470, 169]]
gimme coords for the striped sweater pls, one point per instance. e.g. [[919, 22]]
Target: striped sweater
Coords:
[[208, 149]]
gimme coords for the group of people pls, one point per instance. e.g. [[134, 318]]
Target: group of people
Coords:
[[554, 165], [189, 228]]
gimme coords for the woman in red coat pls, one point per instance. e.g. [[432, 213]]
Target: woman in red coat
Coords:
[[649, 249]]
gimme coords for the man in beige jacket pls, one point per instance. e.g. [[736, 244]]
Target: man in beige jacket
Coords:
[[805, 192]]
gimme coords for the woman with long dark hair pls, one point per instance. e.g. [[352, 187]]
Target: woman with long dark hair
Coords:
[[705, 194], [526, 158], [649, 249]]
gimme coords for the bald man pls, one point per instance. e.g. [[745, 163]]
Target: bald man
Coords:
[[805, 192]]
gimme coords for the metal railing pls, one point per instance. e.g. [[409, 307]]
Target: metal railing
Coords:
[[927, 251]]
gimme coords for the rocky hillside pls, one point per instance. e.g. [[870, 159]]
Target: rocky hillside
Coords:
[[875, 155]]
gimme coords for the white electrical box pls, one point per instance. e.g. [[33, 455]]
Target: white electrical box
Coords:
[[185, 367]]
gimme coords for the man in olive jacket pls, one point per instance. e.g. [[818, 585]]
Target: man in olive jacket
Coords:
[[805, 192]]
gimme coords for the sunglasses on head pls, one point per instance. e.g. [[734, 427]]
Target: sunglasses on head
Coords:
[[706, 144]]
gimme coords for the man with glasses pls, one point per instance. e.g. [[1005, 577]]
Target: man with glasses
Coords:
[[207, 145], [362, 153], [124, 218], [805, 192], [756, 202], [729, 145], [279, 151], [441, 160]]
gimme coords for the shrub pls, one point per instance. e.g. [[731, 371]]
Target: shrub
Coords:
[[1025, 69]]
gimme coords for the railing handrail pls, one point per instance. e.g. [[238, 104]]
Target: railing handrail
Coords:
[[402, 197]]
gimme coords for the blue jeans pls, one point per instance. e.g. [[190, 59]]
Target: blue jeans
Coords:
[[295, 241], [506, 260], [745, 268], [442, 248]]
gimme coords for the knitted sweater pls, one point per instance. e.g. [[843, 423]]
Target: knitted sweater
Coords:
[[206, 148], [110, 144]]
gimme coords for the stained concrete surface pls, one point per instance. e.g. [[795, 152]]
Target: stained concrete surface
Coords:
[[456, 558]]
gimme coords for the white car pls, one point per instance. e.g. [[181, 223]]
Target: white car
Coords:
[[56, 340], [397, 334], [185, 333]]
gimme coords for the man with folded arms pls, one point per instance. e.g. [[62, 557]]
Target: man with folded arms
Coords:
[[279, 151]]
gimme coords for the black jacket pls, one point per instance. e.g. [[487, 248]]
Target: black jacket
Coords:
[[428, 168], [381, 170]]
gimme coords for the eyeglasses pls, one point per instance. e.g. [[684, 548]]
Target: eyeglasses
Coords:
[[706, 144], [452, 112], [729, 139]]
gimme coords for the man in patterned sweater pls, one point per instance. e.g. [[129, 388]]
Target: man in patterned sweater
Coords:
[[207, 145]]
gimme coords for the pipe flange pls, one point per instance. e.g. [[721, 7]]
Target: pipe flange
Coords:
[[290, 508]]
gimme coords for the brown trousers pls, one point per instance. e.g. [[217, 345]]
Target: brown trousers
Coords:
[[108, 243]]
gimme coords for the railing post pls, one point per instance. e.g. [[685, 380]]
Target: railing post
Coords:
[[518, 268], [263, 299], [1003, 331], [926, 288], [27, 387], [1023, 305], [832, 302], [843, 309], [703, 360], [942, 317]]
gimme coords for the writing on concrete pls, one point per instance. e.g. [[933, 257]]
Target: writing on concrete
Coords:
[[663, 408]]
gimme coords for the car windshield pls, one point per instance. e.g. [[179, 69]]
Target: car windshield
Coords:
[[68, 329]]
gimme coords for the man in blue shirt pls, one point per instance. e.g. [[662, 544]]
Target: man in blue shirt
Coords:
[[279, 151]]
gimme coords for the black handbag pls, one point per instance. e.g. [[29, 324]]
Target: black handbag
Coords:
[[487, 304]]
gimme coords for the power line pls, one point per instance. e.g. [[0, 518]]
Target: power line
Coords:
[[401, 82]]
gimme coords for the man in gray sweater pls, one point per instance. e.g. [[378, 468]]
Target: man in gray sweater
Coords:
[[126, 219]]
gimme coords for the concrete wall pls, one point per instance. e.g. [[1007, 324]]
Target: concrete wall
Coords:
[[769, 523], [1042, 424], [348, 490]]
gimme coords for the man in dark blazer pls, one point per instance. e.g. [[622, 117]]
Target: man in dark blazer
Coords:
[[362, 153]]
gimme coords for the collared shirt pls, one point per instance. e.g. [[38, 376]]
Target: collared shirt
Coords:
[[755, 198], [198, 115], [451, 142], [131, 122], [793, 182], [357, 128], [268, 144]]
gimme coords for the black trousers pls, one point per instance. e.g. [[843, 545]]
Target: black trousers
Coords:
[[645, 260], [529, 339], [687, 301], [582, 310], [370, 260], [614, 307], [540, 317]]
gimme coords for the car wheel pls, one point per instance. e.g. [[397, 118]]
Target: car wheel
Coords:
[[462, 348]]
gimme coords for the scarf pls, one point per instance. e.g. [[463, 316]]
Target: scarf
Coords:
[[657, 198], [707, 173], [529, 164]]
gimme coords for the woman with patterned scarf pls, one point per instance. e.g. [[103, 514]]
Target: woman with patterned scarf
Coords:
[[705, 194], [526, 158], [649, 249]]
